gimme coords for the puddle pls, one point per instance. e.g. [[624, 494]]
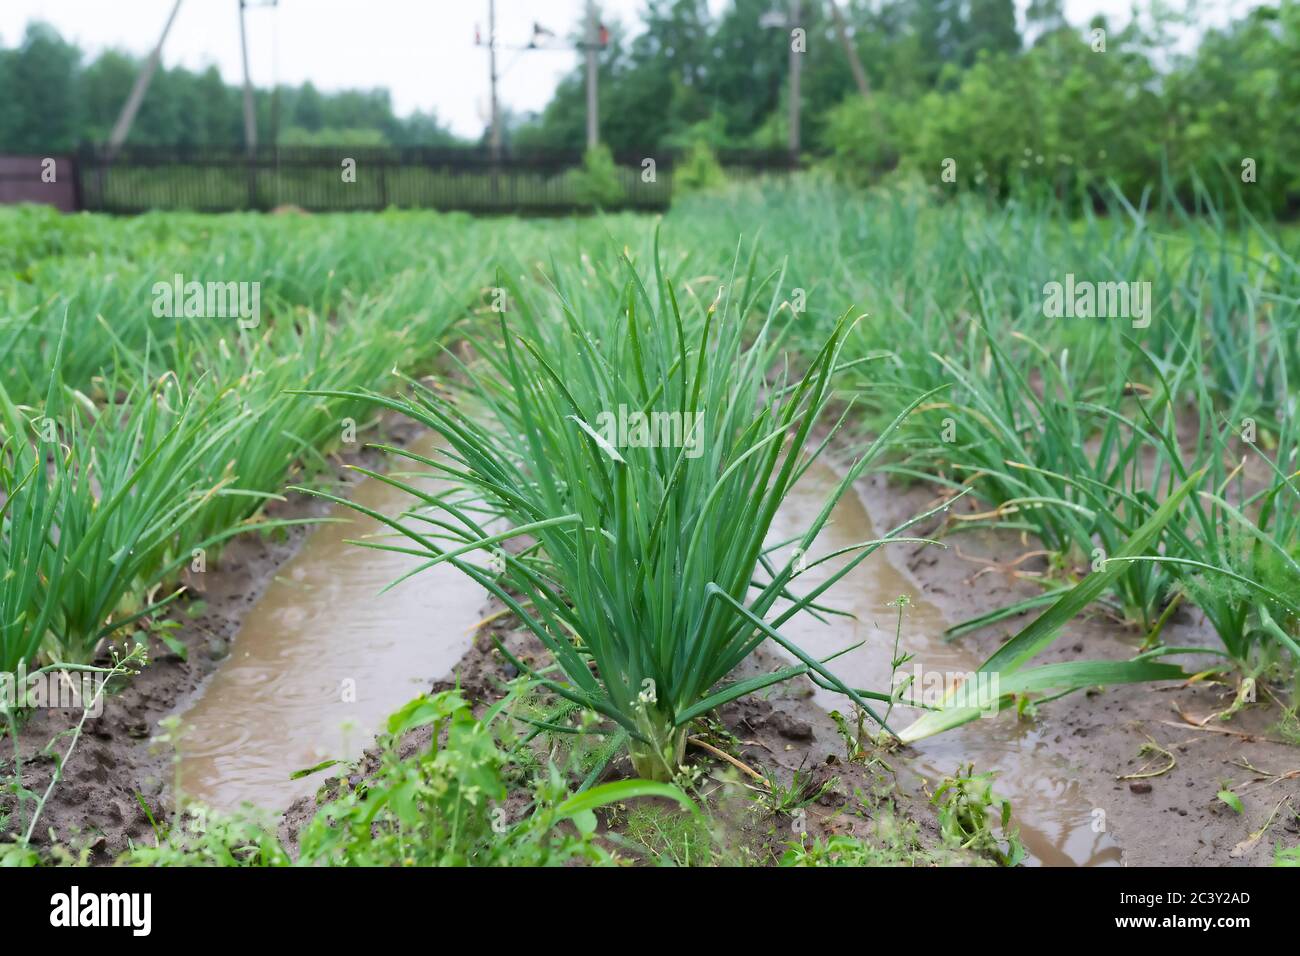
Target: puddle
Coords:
[[323, 658], [1054, 816]]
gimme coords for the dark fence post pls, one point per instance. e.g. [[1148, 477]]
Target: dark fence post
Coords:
[[101, 177], [78, 187], [252, 181]]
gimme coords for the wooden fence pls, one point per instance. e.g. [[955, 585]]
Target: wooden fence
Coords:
[[322, 179]]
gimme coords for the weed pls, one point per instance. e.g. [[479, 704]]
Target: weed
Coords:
[[965, 801], [671, 838]]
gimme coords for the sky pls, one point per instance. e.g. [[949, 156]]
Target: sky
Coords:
[[429, 62]]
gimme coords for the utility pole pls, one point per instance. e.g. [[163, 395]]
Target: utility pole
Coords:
[[540, 41], [492, 75], [842, 30], [122, 128], [796, 67], [250, 118], [593, 99]]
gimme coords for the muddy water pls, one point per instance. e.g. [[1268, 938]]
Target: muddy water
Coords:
[[1054, 816], [322, 658]]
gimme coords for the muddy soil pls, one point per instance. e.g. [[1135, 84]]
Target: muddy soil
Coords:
[[114, 766], [775, 734], [1172, 818]]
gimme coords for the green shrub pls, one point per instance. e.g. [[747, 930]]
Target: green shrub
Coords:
[[699, 170], [1067, 119], [598, 182]]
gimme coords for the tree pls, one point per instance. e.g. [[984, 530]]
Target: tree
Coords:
[[991, 28], [1044, 17], [45, 112]]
